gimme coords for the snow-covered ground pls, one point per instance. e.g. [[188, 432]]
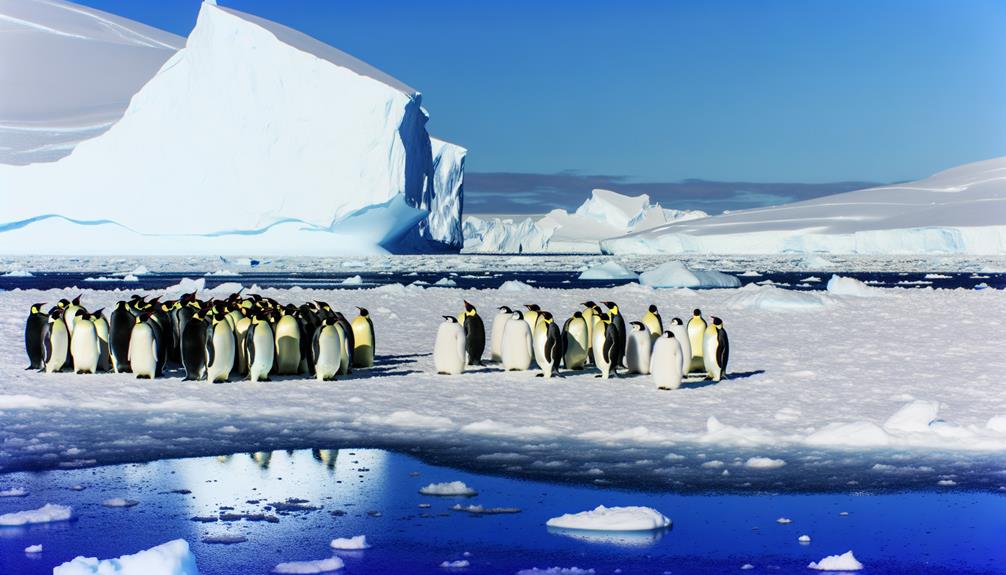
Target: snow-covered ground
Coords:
[[960, 210], [900, 387]]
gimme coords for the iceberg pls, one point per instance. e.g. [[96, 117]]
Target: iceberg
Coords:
[[957, 211], [606, 214], [679, 275], [253, 137], [603, 518], [171, 558]]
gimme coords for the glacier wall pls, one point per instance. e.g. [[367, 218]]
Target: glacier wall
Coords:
[[250, 129]]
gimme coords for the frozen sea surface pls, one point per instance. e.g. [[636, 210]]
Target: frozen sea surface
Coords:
[[290, 505]]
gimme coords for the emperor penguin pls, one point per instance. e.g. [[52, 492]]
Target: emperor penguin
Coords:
[[548, 349], [696, 331], [653, 322], [193, 347], [260, 348], [84, 344], [55, 342], [591, 313], [449, 349], [618, 321], [143, 344], [349, 342], [576, 337], [607, 357], [531, 315], [119, 330], [34, 327], [101, 328], [73, 309], [681, 336], [475, 334], [327, 343], [638, 348], [716, 350], [220, 352], [499, 322], [517, 350], [363, 339], [288, 344], [241, 327], [666, 364]]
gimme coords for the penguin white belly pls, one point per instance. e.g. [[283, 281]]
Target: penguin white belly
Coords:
[[576, 346], [142, 351], [330, 355], [264, 343], [449, 349], [59, 343], [696, 335], [288, 346], [710, 343], [363, 343], [84, 347], [667, 363], [588, 320], [240, 357], [684, 344], [517, 346], [599, 359], [223, 354], [496, 340], [539, 340], [70, 317], [104, 351], [344, 354], [637, 352]]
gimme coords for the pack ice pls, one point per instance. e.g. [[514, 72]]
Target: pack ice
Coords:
[[961, 210], [252, 138]]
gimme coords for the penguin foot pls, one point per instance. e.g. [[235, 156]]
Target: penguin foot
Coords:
[[539, 375]]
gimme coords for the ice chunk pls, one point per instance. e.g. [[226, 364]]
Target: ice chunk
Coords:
[[608, 271], [764, 463], [603, 518], [854, 434], [803, 539], [915, 416], [784, 521], [453, 488], [48, 513], [120, 502], [769, 297], [515, 285], [17, 274], [676, 274], [353, 281], [844, 562], [33, 549], [171, 558], [224, 539], [350, 543], [308, 567], [839, 285], [459, 564], [14, 492], [556, 571]]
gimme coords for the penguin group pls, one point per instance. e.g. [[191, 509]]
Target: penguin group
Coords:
[[240, 337], [593, 336]]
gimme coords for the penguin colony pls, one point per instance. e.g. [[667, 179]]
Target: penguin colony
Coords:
[[217, 340], [592, 336]]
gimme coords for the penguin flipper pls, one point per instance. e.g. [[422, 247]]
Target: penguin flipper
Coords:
[[210, 352], [249, 345], [722, 350], [46, 345]]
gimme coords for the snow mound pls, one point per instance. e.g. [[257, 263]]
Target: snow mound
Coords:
[[321, 149], [678, 275], [453, 488], [914, 417], [839, 285], [769, 297], [844, 562], [307, 567], [171, 558], [353, 281], [48, 513], [603, 518], [515, 286], [350, 543], [803, 539], [607, 271]]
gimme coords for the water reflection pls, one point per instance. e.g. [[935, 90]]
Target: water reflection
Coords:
[[619, 538]]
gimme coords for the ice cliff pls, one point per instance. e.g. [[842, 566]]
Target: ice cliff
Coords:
[[252, 138]]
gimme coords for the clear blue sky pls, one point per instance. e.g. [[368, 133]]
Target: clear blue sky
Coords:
[[759, 91]]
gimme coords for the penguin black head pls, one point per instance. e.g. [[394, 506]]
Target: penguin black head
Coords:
[[450, 318], [668, 335], [55, 314], [37, 307], [517, 314], [677, 321], [331, 321], [609, 304], [121, 304], [63, 303], [577, 314], [363, 311], [76, 300], [547, 315], [652, 309], [697, 312], [637, 325], [469, 307], [717, 321], [97, 312], [83, 315], [309, 305], [605, 317], [505, 309], [533, 306], [323, 305], [290, 309]]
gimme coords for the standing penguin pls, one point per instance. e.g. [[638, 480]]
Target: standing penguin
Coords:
[[548, 348], [241, 327], [220, 353], [475, 335], [499, 322], [589, 316], [73, 309], [531, 315], [716, 350], [681, 336], [517, 352], [34, 327], [120, 328], [328, 342], [576, 338], [101, 328], [449, 349], [606, 355], [260, 348], [616, 319], [55, 342], [349, 343], [288, 344], [364, 342], [143, 347], [638, 349], [696, 331], [84, 344], [193, 347], [652, 321], [667, 361]]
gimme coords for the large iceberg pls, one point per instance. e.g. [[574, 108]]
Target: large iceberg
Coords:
[[252, 138], [961, 211], [606, 214]]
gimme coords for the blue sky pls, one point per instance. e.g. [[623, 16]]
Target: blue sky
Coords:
[[660, 91]]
